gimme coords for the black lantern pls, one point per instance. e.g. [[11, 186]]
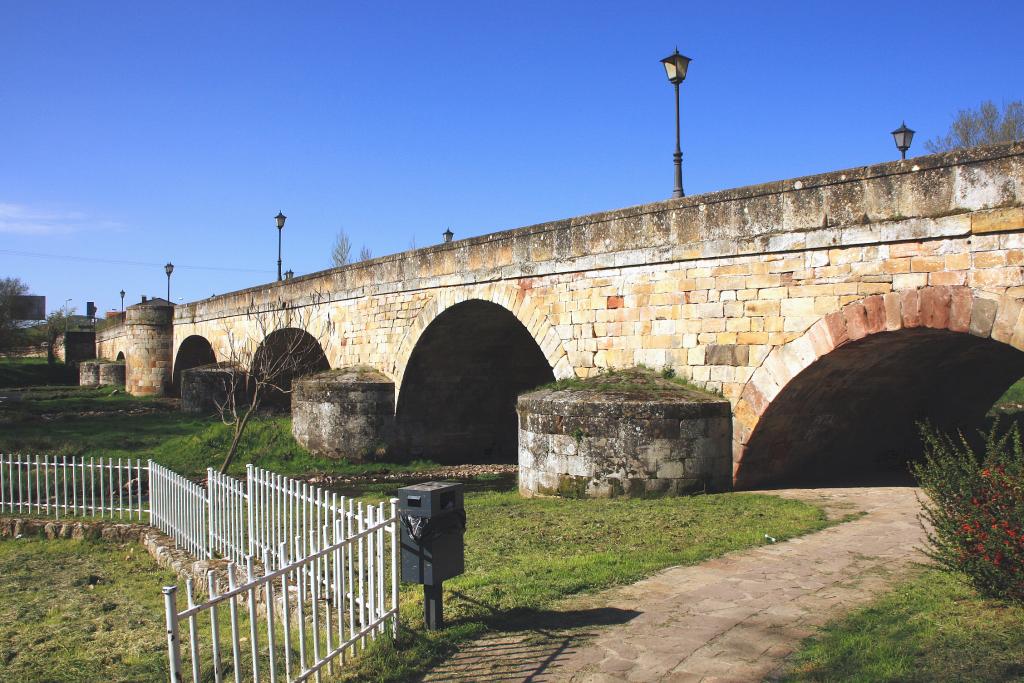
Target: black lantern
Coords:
[[280, 218], [169, 268], [122, 301], [448, 235], [675, 68], [903, 137]]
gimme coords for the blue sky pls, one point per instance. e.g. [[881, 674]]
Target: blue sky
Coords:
[[139, 133]]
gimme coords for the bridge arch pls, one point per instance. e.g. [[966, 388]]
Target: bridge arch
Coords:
[[285, 355], [195, 350], [514, 298], [839, 403], [460, 380], [120, 356]]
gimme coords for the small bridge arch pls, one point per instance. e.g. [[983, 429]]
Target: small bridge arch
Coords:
[[194, 351], [840, 402], [284, 355]]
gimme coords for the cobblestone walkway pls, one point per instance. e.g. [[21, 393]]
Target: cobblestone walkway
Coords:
[[735, 618]]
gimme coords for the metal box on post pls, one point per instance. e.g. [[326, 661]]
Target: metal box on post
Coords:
[[433, 517]]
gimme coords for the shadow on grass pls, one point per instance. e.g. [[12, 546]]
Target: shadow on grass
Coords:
[[524, 644]]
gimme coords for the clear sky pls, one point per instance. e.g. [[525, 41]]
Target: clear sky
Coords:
[[135, 133]]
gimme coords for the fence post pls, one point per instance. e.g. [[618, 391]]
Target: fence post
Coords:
[[249, 505], [173, 644], [209, 511], [152, 492]]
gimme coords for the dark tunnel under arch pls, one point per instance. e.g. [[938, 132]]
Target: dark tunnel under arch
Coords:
[[457, 401], [283, 356], [851, 416], [194, 351]]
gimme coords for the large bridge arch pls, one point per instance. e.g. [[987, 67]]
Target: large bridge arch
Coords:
[[840, 401], [460, 380]]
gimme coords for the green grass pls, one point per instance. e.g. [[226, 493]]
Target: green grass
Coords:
[[525, 555], [932, 628], [55, 626], [25, 372], [1014, 395], [104, 422]]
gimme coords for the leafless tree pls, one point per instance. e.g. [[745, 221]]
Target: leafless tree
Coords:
[[341, 254], [259, 368], [985, 125], [365, 254]]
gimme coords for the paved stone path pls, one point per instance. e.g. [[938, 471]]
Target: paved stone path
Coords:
[[735, 618]]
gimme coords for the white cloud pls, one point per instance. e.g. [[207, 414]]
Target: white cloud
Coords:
[[20, 219]]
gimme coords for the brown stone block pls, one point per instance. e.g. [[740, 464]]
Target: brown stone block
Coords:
[[874, 308], [1006, 319], [836, 323], [615, 302], [893, 314], [909, 306], [934, 307], [947, 278], [960, 309], [983, 316], [856, 321]]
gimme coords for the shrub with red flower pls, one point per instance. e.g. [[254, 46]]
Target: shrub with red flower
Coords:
[[975, 508]]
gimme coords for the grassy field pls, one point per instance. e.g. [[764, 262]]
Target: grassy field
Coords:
[[80, 611], [934, 627], [522, 556], [106, 422]]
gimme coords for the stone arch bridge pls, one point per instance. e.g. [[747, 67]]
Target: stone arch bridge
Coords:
[[830, 310]]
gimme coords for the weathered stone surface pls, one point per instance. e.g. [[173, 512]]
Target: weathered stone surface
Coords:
[[347, 413], [627, 434], [150, 340], [88, 373], [112, 374], [206, 386]]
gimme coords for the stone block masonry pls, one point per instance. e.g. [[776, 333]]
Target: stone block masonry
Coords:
[[740, 291], [628, 434], [345, 413]]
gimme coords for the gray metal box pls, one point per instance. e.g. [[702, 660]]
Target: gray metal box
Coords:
[[433, 519]]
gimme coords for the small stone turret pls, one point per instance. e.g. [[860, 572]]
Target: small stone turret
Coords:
[[150, 331]]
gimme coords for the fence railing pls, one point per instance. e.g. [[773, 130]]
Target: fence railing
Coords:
[[74, 487], [319, 609], [180, 508]]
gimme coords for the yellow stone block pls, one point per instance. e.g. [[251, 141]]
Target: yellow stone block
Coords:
[[997, 220]]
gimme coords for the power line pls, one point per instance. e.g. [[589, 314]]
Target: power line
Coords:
[[93, 259]]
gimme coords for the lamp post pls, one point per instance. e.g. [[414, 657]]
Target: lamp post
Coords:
[[280, 218], [675, 68], [169, 268], [66, 302], [448, 235], [903, 137], [122, 301]]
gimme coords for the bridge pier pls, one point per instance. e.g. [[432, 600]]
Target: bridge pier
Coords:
[[150, 331]]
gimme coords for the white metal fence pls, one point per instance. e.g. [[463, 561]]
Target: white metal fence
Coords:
[[74, 487], [319, 609], [332, 560]]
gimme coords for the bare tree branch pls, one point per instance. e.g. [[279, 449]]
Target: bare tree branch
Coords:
[[285, 344]]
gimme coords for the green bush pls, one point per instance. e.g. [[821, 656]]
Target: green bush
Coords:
[[976, 508]]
